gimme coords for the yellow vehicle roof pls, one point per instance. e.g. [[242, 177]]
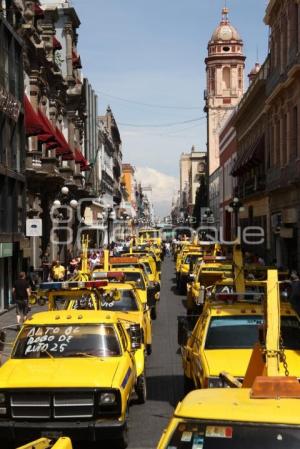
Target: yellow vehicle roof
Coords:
[[234, 404], [72, 316]]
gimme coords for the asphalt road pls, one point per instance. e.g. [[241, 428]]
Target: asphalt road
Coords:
[[164, 369]]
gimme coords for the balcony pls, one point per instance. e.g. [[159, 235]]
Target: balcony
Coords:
[[284, 177], [250, 187]]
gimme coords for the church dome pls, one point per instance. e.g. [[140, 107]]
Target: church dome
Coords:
[[225, 32]]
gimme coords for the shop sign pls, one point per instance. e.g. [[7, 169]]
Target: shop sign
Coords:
[[286, 233], [34, 227], [6, 250]]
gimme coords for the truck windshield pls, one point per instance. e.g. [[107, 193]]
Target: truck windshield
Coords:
[[135, 277], [241, 332], [192, 258], [126, 303], [214, 435], [36, 342]]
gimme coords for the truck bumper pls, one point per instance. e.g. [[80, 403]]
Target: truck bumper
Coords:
[[77, 430]]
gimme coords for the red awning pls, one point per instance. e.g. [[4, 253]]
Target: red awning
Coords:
[[80, 159], [39, 12], [56, 44], [48, 136], [76, 60], [63, 146], [33, 124], [251, 157]]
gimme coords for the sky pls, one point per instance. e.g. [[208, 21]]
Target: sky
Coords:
[[146, 60]]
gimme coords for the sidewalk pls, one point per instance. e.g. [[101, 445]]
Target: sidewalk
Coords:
[[9, 318]]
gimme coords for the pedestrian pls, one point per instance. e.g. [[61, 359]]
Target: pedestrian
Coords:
[[32, 279], [46, 266], [58, 271], [21, 293], [168, 249]]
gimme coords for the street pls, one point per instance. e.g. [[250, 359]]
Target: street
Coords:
[[164, 372]]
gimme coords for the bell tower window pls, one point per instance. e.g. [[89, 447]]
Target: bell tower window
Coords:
[[226, 79]]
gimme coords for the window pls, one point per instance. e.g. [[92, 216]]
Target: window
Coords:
[[226, 78]]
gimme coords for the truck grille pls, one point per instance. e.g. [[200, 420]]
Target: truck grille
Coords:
[[56, 405]]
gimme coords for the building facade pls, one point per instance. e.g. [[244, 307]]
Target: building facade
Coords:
[[193, 166], [12, 152], [225, 65], [283, 139]]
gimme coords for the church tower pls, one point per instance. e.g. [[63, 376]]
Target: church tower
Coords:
[[225, 65]]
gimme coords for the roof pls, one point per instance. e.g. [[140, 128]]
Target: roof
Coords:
[[234, 404], [225, 32], [71, 316]]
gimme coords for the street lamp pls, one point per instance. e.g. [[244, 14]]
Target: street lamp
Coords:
[[235, 207], [64, 198]]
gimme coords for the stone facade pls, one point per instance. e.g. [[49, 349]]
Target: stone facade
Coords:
[[193, 165], [283, 138]]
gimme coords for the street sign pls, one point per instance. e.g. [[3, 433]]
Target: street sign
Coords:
[[34, 227], [6, 250]]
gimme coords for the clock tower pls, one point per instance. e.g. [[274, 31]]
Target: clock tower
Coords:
[[225, 65]]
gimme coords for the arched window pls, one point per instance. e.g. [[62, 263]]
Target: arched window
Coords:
[[226, 78]]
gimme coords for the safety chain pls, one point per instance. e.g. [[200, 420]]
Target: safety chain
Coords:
[[283, 357]]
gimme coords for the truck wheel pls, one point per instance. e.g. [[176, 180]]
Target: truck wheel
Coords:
[[153, 313], [149, 349], [181, 287], [141, 389], [123, 441], [41, 301], [188, 385]]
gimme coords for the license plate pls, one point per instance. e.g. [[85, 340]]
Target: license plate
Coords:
[[52, 434]]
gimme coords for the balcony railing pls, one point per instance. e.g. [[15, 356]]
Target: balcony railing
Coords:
[[251, 186]]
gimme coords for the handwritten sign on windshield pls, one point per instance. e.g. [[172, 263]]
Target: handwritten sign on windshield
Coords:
[[50, 339]]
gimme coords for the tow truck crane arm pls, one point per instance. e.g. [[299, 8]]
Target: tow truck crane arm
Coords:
[[238, 269]]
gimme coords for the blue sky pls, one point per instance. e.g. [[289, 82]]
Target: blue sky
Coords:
[[153, 52]]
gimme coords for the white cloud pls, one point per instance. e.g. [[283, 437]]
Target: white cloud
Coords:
[[163, 188]]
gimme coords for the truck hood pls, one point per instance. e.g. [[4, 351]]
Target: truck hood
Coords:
[[60, 372], [234, 361]]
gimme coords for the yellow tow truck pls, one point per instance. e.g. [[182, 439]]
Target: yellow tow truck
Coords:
[[45, 443], [71, 373], [263, 412]]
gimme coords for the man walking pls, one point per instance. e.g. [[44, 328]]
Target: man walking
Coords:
[[21, 292], [58, 272]]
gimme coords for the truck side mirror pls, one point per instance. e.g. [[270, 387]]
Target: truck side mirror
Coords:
[[183, 332], [135, 336], [201, 298]]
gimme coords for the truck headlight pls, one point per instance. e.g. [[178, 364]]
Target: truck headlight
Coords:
[[107, 398], [2, 398]]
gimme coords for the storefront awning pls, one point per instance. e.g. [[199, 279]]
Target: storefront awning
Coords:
[[33, 124], [39, 12], [63, 146], [251, 157], [56, 44], [48, 135], [76, 60], [80, 159]]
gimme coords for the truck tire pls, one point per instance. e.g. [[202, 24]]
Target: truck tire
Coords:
[[141, 389], [149, 349], [188, 385], [41, 301], [123, 441], [153, 313]]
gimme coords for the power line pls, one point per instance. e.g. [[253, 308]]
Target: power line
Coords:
[[148, 105], [164, 124]]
